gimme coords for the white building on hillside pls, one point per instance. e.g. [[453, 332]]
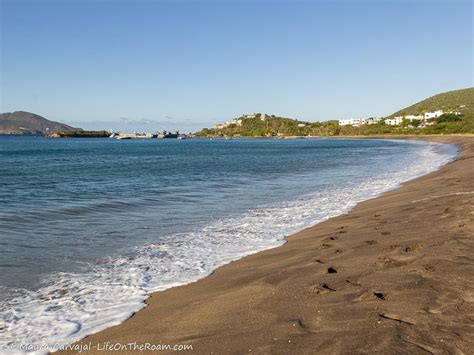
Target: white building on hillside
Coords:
[[355, 122], [235, 121], [372, 120], [396, 121], [414, 117], [431, 115]]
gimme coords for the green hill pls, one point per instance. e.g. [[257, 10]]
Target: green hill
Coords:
[[261, 125], [458, 106], [457, 100], [458, 117], [21, 122]]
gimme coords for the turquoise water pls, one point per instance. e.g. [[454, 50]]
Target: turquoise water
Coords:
[[89, 226]]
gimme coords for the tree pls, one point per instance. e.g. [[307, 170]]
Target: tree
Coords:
[[415, 123]]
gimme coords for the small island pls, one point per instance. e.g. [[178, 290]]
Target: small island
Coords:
[[79, 134]]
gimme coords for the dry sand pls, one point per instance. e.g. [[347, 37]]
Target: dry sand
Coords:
[[395, 275]]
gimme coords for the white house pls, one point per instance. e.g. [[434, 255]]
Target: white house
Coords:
[[421, 117], [372, 120], [414, 117], [396, 121], [351, 121], [345, 122], [431, 115], [236, 121]]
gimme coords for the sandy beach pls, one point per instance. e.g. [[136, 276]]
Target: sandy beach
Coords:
[[395, 275]]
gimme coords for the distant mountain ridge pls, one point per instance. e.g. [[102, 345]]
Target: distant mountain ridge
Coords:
[[21, 122]]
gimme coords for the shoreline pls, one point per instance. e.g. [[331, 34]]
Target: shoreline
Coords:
[[258, 277]]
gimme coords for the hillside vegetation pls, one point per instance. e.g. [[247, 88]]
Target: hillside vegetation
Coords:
[[271, 126], [459, 101]]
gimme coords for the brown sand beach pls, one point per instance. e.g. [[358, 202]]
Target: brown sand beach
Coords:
[[395, 275]]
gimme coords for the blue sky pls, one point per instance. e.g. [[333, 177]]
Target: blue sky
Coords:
[[187, 64]]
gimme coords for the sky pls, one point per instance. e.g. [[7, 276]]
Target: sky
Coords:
[[150, 65]]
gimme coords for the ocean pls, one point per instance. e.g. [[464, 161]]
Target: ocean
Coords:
[[89, 227]]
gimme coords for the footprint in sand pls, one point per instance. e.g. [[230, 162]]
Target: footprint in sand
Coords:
[[412, 248], [368, 295], [321, 288], [427, 269], [299, 325], [391, 247], [385, 262], [380, 295]]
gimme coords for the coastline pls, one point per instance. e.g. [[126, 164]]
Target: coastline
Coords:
[[382, 277]]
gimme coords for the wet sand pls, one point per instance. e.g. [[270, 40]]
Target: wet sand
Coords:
[[395, 275]]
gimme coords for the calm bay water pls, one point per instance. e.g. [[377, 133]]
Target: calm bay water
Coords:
[[89, 226]]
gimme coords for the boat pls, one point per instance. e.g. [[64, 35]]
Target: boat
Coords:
[[170, 135]]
